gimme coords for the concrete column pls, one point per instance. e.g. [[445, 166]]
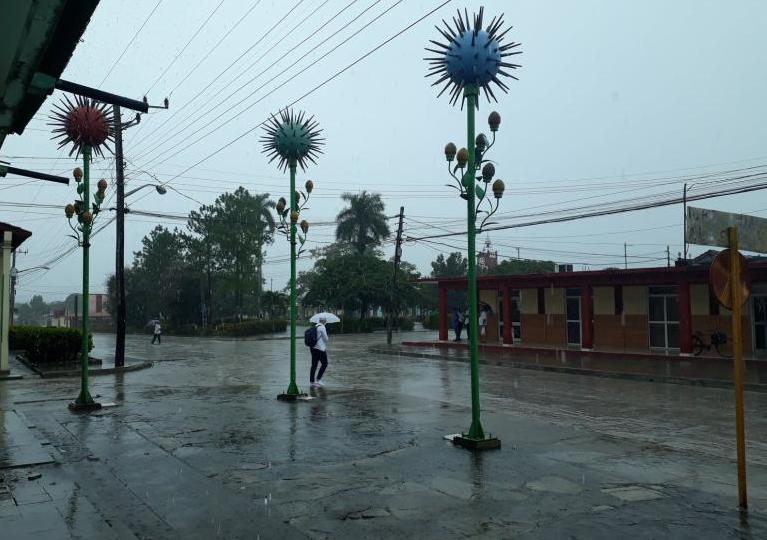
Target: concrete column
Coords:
[[685, 319], [587, 319], [443, 314], [5, 297], [508, 337]]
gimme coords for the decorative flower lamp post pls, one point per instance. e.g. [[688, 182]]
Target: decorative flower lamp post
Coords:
[[87, 125], [471, 58], [294, 140]]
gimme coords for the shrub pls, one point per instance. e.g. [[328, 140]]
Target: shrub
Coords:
[[251, 327], [431, 321], [360, 326], [43, 345]]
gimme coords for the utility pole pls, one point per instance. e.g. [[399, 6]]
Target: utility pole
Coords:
[[14, 277], [397, 257], [120, 241], [684, 221], [625, 256], [122, 310], [518, 257], [668, 256]]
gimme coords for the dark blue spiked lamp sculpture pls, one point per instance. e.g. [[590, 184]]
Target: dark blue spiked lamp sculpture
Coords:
[[294, 140], [472, 57]]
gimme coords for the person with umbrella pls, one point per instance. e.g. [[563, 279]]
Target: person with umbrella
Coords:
[[319, 349]]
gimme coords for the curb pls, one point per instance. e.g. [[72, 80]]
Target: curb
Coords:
[[646, 377], [56, 374]]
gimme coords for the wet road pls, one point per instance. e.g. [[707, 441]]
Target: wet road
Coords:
[[197, 447]]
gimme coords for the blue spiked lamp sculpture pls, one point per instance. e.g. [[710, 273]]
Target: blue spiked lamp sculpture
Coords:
[[293, 140], [473, 57]]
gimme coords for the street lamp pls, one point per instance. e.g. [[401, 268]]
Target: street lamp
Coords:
[[293, 139], [158, 187], [87, 125], [472, 58]]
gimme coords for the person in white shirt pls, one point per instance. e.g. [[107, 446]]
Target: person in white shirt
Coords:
[[320, 355], [157, 333], [483, 324]]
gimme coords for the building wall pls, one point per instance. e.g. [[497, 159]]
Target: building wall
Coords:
[[604, 300], [555, 301], [528, 301], [635, 300], [699, 301]]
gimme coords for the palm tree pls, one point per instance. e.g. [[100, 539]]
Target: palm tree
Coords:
[[362, 223]]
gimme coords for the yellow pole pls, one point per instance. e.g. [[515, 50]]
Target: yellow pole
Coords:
[[738, 365]]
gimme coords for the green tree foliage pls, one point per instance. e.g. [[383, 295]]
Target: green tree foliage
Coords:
[[214, 267], [455, 265], [362, 223], [344, 278], [33, 313], [521, 266]]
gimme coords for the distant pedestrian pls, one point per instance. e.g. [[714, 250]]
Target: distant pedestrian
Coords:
[[457, 323], [483, 323], [467, 324], [157, 333], [319, 355]]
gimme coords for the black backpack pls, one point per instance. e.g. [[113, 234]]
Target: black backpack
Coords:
[[310, 336]]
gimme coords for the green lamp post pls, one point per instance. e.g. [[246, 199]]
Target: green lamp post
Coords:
[[294, 140], [471, 59], [87, 125]]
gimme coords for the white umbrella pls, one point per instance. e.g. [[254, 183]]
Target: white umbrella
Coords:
[[329, 318]]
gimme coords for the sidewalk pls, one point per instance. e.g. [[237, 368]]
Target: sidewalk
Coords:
[[707, 371]]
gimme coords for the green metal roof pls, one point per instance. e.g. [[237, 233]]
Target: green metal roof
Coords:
[[37, 39]]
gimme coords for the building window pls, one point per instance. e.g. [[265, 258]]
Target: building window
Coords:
[[541, 301], [516, 317], [99, 303], [663, 311], [573, 310], [713, 304]]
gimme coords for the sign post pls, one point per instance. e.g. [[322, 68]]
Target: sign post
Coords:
[[738, 364], [713, 228]]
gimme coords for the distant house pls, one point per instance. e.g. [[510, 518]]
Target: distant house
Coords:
[[70, 316]]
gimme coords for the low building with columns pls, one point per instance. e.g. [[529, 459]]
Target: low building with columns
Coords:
[[645, 310], [10, 238]]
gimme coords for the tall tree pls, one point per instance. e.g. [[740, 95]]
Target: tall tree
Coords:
[[455, 265], [362, 223], [234, 231]]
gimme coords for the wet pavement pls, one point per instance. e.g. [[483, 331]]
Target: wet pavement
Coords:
[[198, 447]]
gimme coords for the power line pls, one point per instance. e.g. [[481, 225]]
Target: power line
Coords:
[[156, 160], [320, 85], [174, 131], [645, 206], [178, 55], [220, 74], [135, 35]]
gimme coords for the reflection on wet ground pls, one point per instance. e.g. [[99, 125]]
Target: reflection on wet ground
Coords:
[[198, 447]]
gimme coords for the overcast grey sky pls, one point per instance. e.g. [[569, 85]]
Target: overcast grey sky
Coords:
[[615, 100]]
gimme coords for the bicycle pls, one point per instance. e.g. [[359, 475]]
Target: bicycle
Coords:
[[717, 340]]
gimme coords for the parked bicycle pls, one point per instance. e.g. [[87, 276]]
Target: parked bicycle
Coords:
[[717, 341]]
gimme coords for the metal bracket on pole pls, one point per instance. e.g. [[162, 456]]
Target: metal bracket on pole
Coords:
[[7, 169], [100, 95]]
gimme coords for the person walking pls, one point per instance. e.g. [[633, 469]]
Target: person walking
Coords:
[[157, 333], [467, 324], [319, 355], [483, 324], [457, 323]]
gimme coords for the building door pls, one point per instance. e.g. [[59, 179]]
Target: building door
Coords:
[[759, 302], [516, 317], [573, 313], [663, 318]]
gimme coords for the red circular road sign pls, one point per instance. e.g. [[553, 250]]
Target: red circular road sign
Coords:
[[719, 277]]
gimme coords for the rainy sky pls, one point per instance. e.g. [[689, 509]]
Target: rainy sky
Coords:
[[616, 102]]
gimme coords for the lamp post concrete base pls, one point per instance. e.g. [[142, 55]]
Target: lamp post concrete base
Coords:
[[488, 443], [84, 407], [292, 397]]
